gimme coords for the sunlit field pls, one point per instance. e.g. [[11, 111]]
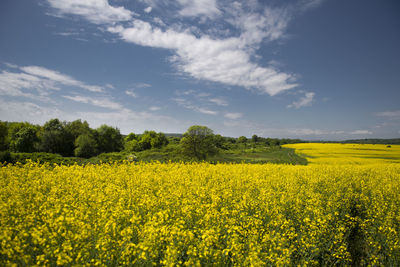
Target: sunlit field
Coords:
[[334, 153], [200, 214]]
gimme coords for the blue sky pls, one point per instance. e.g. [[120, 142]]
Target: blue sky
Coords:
[[310, 69]]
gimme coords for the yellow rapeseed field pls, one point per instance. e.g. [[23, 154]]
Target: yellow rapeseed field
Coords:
[[199, 214], [335, 153]]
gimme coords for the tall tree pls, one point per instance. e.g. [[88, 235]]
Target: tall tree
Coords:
[[55, 139], [86, 146], [3, 136], [23, 138], [109, 139], [198, 142]]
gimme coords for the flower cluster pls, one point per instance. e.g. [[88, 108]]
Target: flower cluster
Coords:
[[199, 214]]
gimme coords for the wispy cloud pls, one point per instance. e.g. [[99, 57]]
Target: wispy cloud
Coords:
[[131, 93], [148, 9], [154, 108], [219, 101], [226, 60], [389, 114], [361, 132], [98, 11], [95, 101], [37, 82], [304, 101], [206, 8], [233, 116], [188, 105], [58, 77]]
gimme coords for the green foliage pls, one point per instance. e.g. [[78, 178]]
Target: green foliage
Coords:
[[55, 138], [148, 140], [254, 138], [43, 157], [132, 146], [242, 139], [77, 128], [109, 157], [86, 146], [3, 136], [198, 142], [109, 139], [23, 137], [5, 156], [131, 137]]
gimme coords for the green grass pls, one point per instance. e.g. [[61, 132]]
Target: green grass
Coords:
[[172, 152], [260, 155]]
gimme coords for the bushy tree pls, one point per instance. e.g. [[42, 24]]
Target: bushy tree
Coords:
[[132, 146], [159, 141], [198, 142], [23, 138], [85, 146], [255, 138], [55, 138], [77, 128], [109, 139], [3, 136], [220, 141], [242, 139], [131, 137]]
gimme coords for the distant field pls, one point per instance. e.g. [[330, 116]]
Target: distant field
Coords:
[[335, 153]]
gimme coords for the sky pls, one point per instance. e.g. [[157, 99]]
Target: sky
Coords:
[[309, 69]]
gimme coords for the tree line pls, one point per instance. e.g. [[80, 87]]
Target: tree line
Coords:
[[77, 139]]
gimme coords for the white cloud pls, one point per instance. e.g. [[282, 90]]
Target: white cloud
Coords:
[[304, 101], [361, 132], [95, 11], [305, 131], [188, 105], [148, 9], [193, 8], [100, 102], [27, 111], [56, 76], [37, 82], [255, 27], [233, 116], [223, 60], [389, 114], [154, 108], [218, 101], [131, 93], [142, 85]]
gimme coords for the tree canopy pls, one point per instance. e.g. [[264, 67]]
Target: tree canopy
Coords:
[[198, 142]]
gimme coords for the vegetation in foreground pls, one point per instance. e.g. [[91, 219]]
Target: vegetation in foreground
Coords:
[[70, 142], [200, 214]]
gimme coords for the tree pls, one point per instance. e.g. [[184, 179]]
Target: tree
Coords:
[[242, 139], [77, 128], [159, 141], [198, 142], [131, 137], [220, 141], [24, 138], [109, 139], [3, 136], [55, 138], [132, 146], [255, 138], [86, 146], [151, 139]]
